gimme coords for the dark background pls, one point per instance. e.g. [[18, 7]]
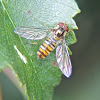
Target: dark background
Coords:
[[84, 84]]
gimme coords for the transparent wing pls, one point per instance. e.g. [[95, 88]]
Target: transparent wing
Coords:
[[63, 59], [31, 32]]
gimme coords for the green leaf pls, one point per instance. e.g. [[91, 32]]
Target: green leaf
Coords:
[[39, 75], [70, 39]]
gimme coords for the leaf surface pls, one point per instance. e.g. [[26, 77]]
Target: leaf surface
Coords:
[[39, 75]]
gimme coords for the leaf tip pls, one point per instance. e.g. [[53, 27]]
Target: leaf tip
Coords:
[[79, 11]]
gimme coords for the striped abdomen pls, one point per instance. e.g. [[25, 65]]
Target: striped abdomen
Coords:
[[47, 46]]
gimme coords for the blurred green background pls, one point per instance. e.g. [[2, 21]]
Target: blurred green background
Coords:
[[85, 80]]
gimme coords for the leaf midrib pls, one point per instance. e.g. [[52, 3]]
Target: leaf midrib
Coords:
[[22, 43]]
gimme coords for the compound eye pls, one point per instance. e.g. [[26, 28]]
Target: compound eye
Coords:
[[66, 28], [61, 24]]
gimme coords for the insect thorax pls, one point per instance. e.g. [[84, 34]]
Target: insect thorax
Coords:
[[59, 33]]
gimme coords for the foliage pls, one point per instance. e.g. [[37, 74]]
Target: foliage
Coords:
[[39, 76]]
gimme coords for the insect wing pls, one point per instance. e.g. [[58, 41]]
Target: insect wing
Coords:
[[63, 59], [31, 32]]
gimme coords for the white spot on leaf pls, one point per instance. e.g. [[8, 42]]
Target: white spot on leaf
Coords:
[[20, 55]]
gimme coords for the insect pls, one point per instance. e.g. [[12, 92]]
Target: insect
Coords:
[[55, 39]]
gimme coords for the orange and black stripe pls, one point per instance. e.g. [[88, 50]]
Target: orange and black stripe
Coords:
[[45, 49]]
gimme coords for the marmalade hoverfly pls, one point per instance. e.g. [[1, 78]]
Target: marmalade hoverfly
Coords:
[[56, 39]]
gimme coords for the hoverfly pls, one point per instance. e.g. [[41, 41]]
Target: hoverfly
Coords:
[[56, 39]]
